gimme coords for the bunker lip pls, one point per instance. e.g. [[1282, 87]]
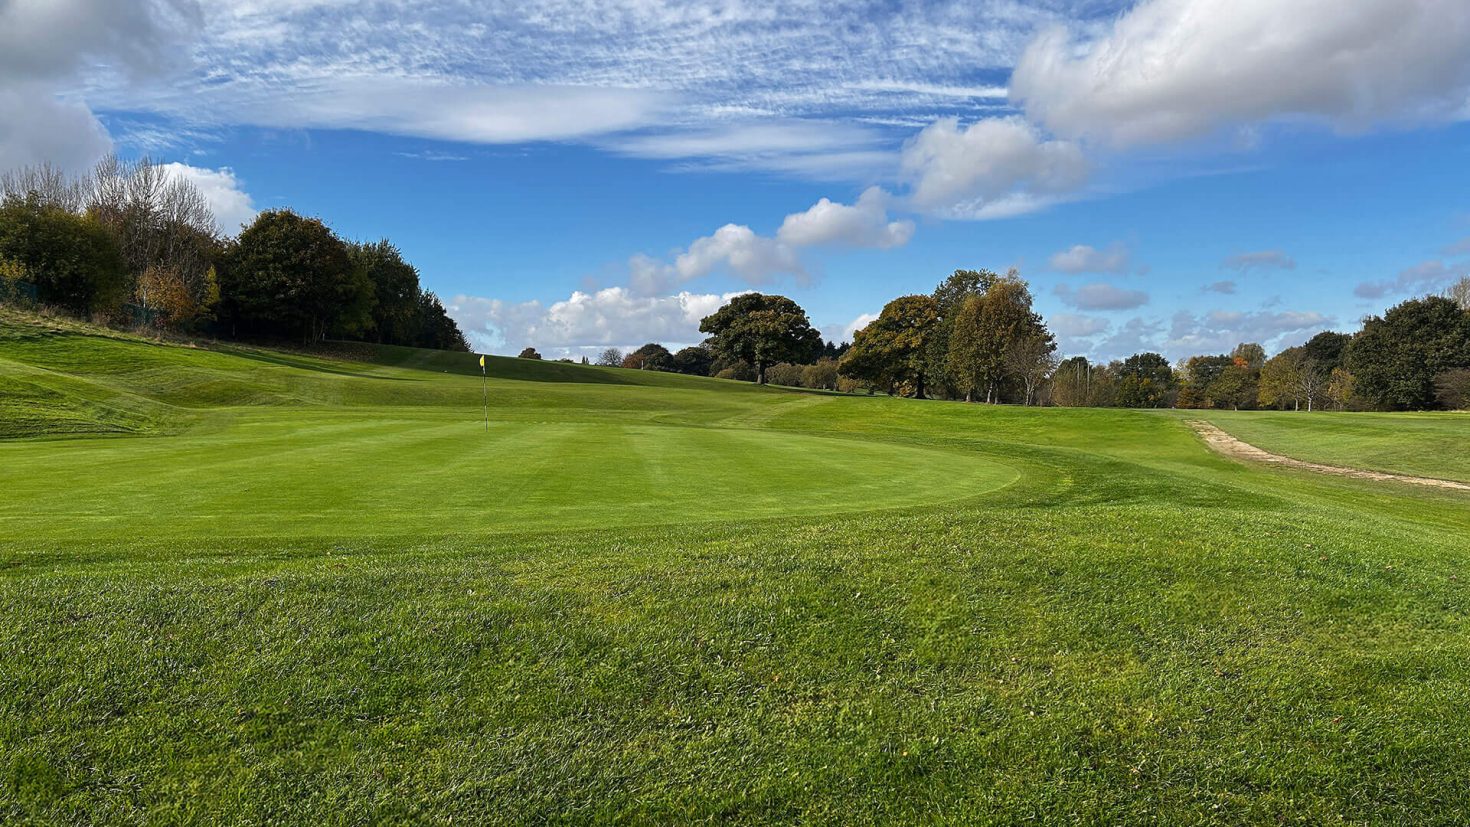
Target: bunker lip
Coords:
[[1227, 445]]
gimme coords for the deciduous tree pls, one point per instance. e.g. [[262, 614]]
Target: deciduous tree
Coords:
[[894, 348], [1143, 380], [695, 361], [652, 356], [762, 330], [73, 261], [985, 328], [289, 275], [1395, 357]]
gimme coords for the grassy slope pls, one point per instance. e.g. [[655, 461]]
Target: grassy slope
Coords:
[[1422, 444], [1133, 630]]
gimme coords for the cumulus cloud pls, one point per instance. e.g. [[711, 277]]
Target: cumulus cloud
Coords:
[[1261, 260], [863, 224], [757, 259], [1100, 296], [613, 317], [1173, 69], [1426, 276], [994, 167], [862, 321], [232, 206], [1083, 258], [38, 126], [46, 46], [752, 257], [1224, 288]]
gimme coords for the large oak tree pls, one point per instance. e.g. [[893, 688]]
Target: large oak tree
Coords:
[[762, 330]]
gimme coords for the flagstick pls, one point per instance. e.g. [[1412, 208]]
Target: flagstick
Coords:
[[485, 393]]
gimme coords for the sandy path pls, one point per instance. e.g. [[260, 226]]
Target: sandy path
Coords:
[[1231, 447]]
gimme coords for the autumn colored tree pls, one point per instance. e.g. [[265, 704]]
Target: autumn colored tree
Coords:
[[762, 330], [652, 356], [821, 375], [985, 328], [949, 296], [894, 348], [1341, 387], [1072, 383]]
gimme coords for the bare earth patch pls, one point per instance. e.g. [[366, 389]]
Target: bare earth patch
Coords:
[[1229, 446]]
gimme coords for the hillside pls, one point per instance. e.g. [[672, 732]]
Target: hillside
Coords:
[[297, 589]]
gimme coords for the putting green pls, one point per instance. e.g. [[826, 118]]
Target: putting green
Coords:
[[295, 473]]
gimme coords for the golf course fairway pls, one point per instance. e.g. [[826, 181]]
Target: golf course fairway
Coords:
[[260, 586]]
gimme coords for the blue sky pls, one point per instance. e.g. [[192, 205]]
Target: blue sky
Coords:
[[1174, 175]]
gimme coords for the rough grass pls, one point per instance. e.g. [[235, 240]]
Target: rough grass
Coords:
[[1133, 630], [1419, 444]]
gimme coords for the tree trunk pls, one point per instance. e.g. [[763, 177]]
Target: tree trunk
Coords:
[[760, 372], [919, 386]]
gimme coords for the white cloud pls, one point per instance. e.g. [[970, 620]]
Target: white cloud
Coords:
[[752, 257], [232, 206], [1173, 69], [1083, 258], [1100, 296], [1224, 288], [1220, 330], [47, 45], [36, 126], [863, 224], [1426, 276], [1076, 325], [991, 168], [1137, 335], [757, 259], [1260, 260], [424, 107], [613, 317], [845, 333]]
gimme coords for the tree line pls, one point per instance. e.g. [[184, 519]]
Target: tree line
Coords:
[[1416, 356], [131, 244], [977, 338]]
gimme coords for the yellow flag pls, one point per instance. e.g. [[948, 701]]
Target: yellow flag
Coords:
[[482, 361]]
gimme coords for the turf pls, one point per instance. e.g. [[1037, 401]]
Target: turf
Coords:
[[1420, 444], [326, 595]]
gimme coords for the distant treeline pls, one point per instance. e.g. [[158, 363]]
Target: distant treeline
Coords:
[[976, 337], [129, 244]]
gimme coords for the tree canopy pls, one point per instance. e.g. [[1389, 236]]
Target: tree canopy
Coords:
[[893, 349], [1396, 357], [762, 330]]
